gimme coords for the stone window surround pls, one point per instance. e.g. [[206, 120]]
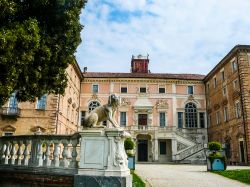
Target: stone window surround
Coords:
[[97, 85]]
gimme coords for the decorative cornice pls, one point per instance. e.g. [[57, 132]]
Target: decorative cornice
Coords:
[[146, 80]]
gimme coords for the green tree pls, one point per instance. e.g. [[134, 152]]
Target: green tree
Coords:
[[38, 39]]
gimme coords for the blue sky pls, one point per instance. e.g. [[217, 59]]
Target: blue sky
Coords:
[[180, 36]]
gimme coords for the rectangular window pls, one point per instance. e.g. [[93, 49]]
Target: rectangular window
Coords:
[[161, 90], [222, 75], [208, 89], [123, 119], [215, 82], [217, 117], [162, 119], [224, 91], [95, 88], [208, 103], [190, 90], [225, 114], [202, 120], [41, 103], [163, 148], [124, 89], [234, 66], [236, 84], [8, 134], [143, 89], [180, 119], [83, 113], [238, 110], [142, 119], [209, 121]]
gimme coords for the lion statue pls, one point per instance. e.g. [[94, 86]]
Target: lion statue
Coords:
[[103, 113]]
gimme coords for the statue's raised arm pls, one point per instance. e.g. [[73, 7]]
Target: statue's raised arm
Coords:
[[103, 113]]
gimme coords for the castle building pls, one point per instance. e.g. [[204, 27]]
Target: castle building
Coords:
[[228, 104], [170, 116], [50, 114], [165, 113]]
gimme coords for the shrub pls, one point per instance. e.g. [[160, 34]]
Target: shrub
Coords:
[[214, 146], [129, 144]]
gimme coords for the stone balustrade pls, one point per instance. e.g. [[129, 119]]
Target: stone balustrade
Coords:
[[39, 151], [149, 128], [189, 151]]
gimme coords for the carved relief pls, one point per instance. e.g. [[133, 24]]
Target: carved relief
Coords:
[[125, 102], [161, 104], [191, 98], [181, 146], [94, 97]]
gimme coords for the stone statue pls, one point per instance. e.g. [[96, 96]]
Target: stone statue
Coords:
[[103, 113]]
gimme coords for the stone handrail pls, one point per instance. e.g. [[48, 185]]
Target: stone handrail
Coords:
[[189, 151], [50, 151], [152, 128]]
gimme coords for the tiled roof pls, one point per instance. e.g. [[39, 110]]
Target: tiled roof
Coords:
[[144, 75]]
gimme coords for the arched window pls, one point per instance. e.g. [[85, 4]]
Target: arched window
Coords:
[[190, 115], [93, 105]]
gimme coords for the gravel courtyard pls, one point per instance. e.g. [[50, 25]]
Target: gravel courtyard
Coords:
[[166, 175]]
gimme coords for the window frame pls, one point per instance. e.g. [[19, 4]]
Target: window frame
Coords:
[[226, 114], [121, 89], [123, 120], [238, 112], [93, 90], [218, 117], [180, 119], [190, 86], [143, 87], [191, 115], [160, 88], [234, 65], [162, 123], [42, 102]]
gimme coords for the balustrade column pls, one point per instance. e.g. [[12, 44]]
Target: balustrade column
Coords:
[[47, 154], [65, 162], [26, 153], [19, 153], [3, 153], [7, 153], [74, 153], [56, 153], [39, 154]]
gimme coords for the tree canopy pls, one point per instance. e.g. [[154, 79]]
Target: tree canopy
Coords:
[[38, 39]]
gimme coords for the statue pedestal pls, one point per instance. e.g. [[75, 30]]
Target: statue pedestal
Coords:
[[103, 161]]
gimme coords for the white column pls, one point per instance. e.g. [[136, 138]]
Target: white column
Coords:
[[156, 154], [174, 148], [174, 105]]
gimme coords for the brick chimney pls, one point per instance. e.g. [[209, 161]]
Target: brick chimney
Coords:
[[139, 64]]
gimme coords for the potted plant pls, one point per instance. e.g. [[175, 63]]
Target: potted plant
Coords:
[[129, 146], [215, 159]]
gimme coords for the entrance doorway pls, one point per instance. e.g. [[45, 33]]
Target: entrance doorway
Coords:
[[143, 150], [242, 155]]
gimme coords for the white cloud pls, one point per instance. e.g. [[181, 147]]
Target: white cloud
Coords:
[[180, 36]]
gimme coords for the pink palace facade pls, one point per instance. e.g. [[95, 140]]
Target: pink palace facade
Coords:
[[165, 113]]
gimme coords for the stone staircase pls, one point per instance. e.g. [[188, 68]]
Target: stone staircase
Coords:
[[193, 152]]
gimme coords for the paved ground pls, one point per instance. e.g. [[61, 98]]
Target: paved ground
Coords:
[[160, 175]]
